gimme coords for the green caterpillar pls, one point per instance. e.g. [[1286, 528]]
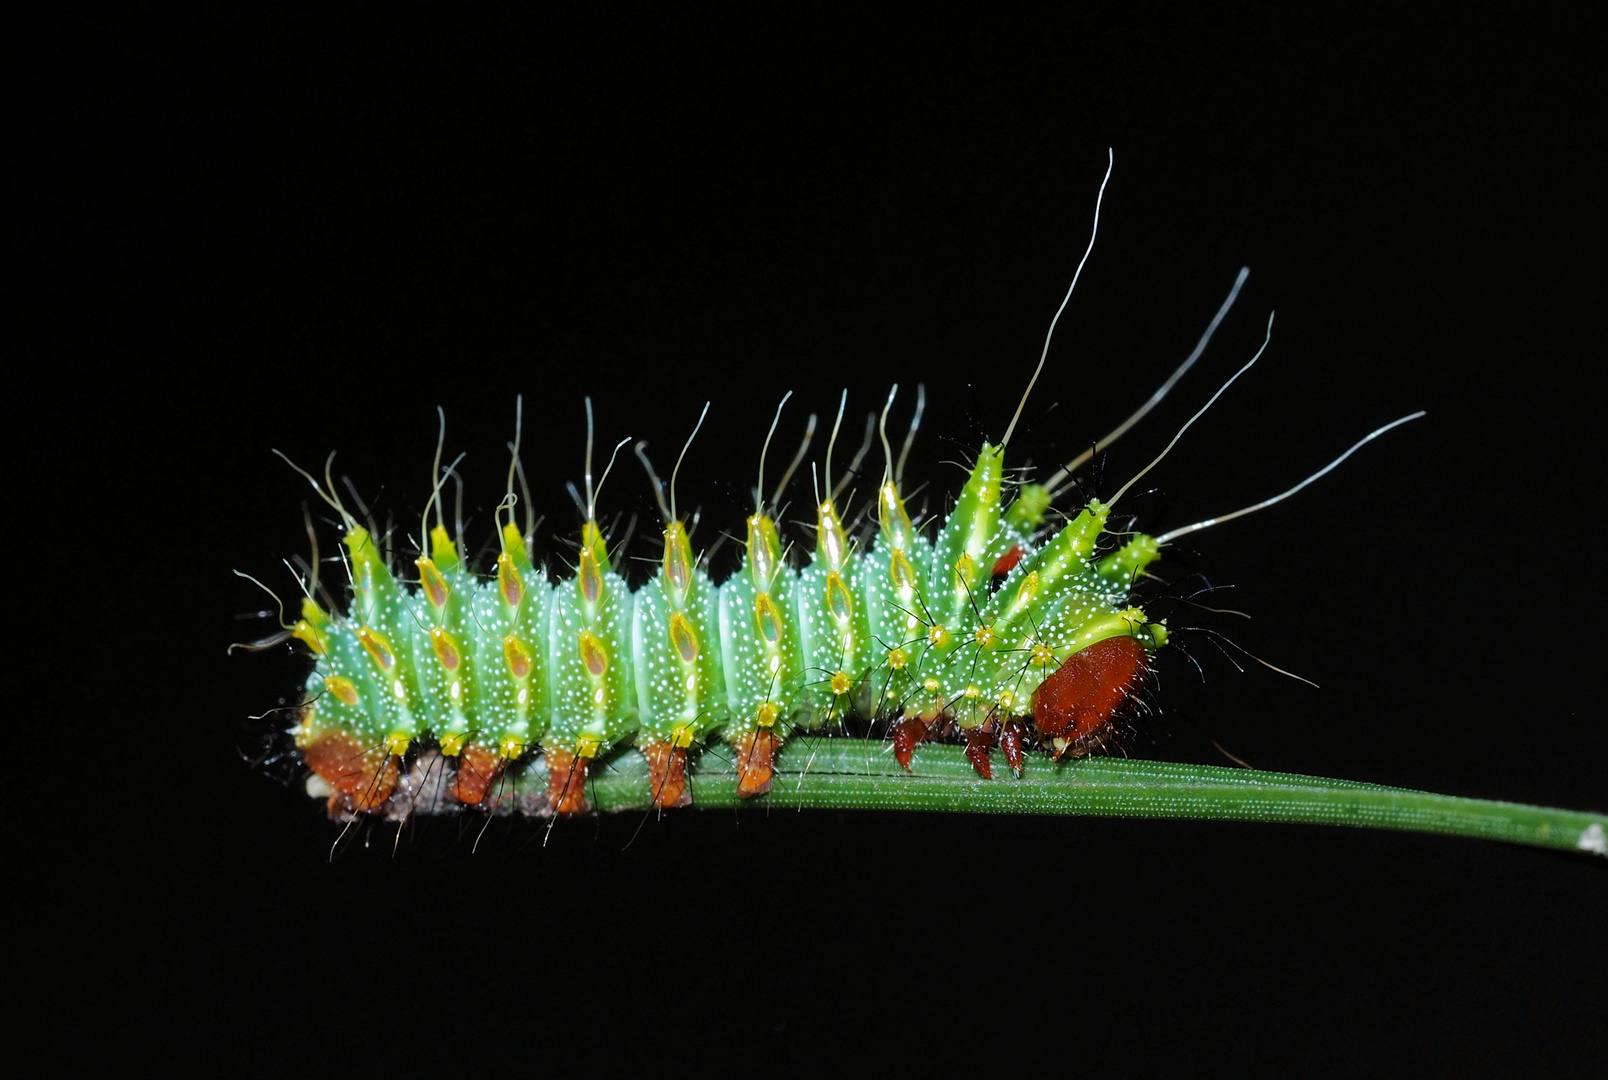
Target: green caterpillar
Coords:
[[999, 627], [961, 629]]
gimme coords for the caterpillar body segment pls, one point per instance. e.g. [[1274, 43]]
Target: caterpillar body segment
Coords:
[[676, 652], [590, 665], [510, 619], [759, 638], [894, 587], [925, 632]]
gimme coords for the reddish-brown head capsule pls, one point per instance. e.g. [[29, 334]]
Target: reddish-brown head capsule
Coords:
[[1075, 705]]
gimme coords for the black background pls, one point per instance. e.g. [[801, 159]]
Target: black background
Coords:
[[285, 231]]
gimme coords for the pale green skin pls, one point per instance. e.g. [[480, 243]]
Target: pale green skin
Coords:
[[650, 692]]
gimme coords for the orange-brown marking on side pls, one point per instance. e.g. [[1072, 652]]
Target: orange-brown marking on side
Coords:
[[1079, 701], [566, 782], [667, 774], [363, 775], [755, 752], [478, 769]]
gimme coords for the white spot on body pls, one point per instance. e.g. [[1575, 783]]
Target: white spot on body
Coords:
[[1593, 840]]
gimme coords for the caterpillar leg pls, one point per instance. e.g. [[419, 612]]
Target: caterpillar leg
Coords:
[[362, 775], [478, 768], [566, 782], [667, 774], [755, 752], [932, 725], [1013, 739], [979, 741], [906, 734]]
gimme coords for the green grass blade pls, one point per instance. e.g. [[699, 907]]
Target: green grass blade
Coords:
[[854, 774]]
